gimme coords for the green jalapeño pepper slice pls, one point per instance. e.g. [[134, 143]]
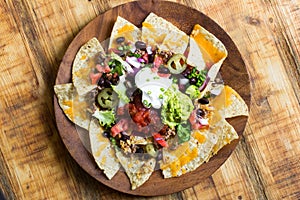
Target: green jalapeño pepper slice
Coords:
[[177, 63], [107, 98]]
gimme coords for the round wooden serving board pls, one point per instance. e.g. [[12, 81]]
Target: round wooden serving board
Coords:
[[233, 72]]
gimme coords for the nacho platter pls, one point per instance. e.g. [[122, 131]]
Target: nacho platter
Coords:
[[120, 181]]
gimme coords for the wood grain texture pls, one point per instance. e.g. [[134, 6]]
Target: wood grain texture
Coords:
[[34, 36]]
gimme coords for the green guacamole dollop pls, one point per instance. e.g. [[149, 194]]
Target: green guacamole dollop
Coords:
[[177, 107]]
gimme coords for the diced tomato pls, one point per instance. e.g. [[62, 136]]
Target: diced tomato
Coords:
[[122, 125], [95, 77], [164, 75], [116, 51], [139, 114], [102, 69], [157, 61], [160, 140], [142, 118], [145, 57]]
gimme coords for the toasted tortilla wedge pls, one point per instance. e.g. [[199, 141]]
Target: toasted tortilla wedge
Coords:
[[74, 106], [137, 169], [234, 105], [157, 31], [226, 135], [230, 103], [124, 28], [209, 50], [227, 104], [195, 57], [102, 150], [189, 155], [83, 63]]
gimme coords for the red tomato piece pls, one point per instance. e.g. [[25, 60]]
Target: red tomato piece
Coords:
[[95, 77], [102, 69], [145, 57], [160, 140], [164, 75], [157, 61], [122, 125]]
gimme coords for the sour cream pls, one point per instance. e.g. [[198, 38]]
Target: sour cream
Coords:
[[152, 86]]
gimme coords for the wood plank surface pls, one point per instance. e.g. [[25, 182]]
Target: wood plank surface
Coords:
[[34, 164]]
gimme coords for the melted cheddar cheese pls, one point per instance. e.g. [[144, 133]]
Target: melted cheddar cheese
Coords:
[[209, 51]]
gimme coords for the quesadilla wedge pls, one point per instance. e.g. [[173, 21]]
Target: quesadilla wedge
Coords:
[[226, 135], [82, 66], [230, 103], [102, 150], [206, 51], [74, 106], [157, 31], [124, 32], [227, 104], [190, 155], [137, 169]]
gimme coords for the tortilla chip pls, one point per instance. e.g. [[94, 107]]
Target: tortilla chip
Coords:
[[103, 152], [157, 31], [189, 155], [230, 103], [137, 169], [234, 105], [226, 135], [68, 100], [83, 64], [124, 28], [213, 51], [195, 57], [227, 104]]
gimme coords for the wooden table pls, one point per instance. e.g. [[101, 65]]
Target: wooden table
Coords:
[[34, 163]]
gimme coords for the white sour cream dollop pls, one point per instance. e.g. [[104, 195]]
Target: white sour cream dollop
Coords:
[[152, 86]]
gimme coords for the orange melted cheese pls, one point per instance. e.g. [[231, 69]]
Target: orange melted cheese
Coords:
[[99, 150], [147, 25], [177, 165], [158, 37], [126, 28], [84, 72], [175, 43], [68, 103], [228, 93], [83, 57], [103, 160], [75, 108], [199, 137], [224, 98], [69, 111], [207, 48], [80, 108], [126, 31]]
